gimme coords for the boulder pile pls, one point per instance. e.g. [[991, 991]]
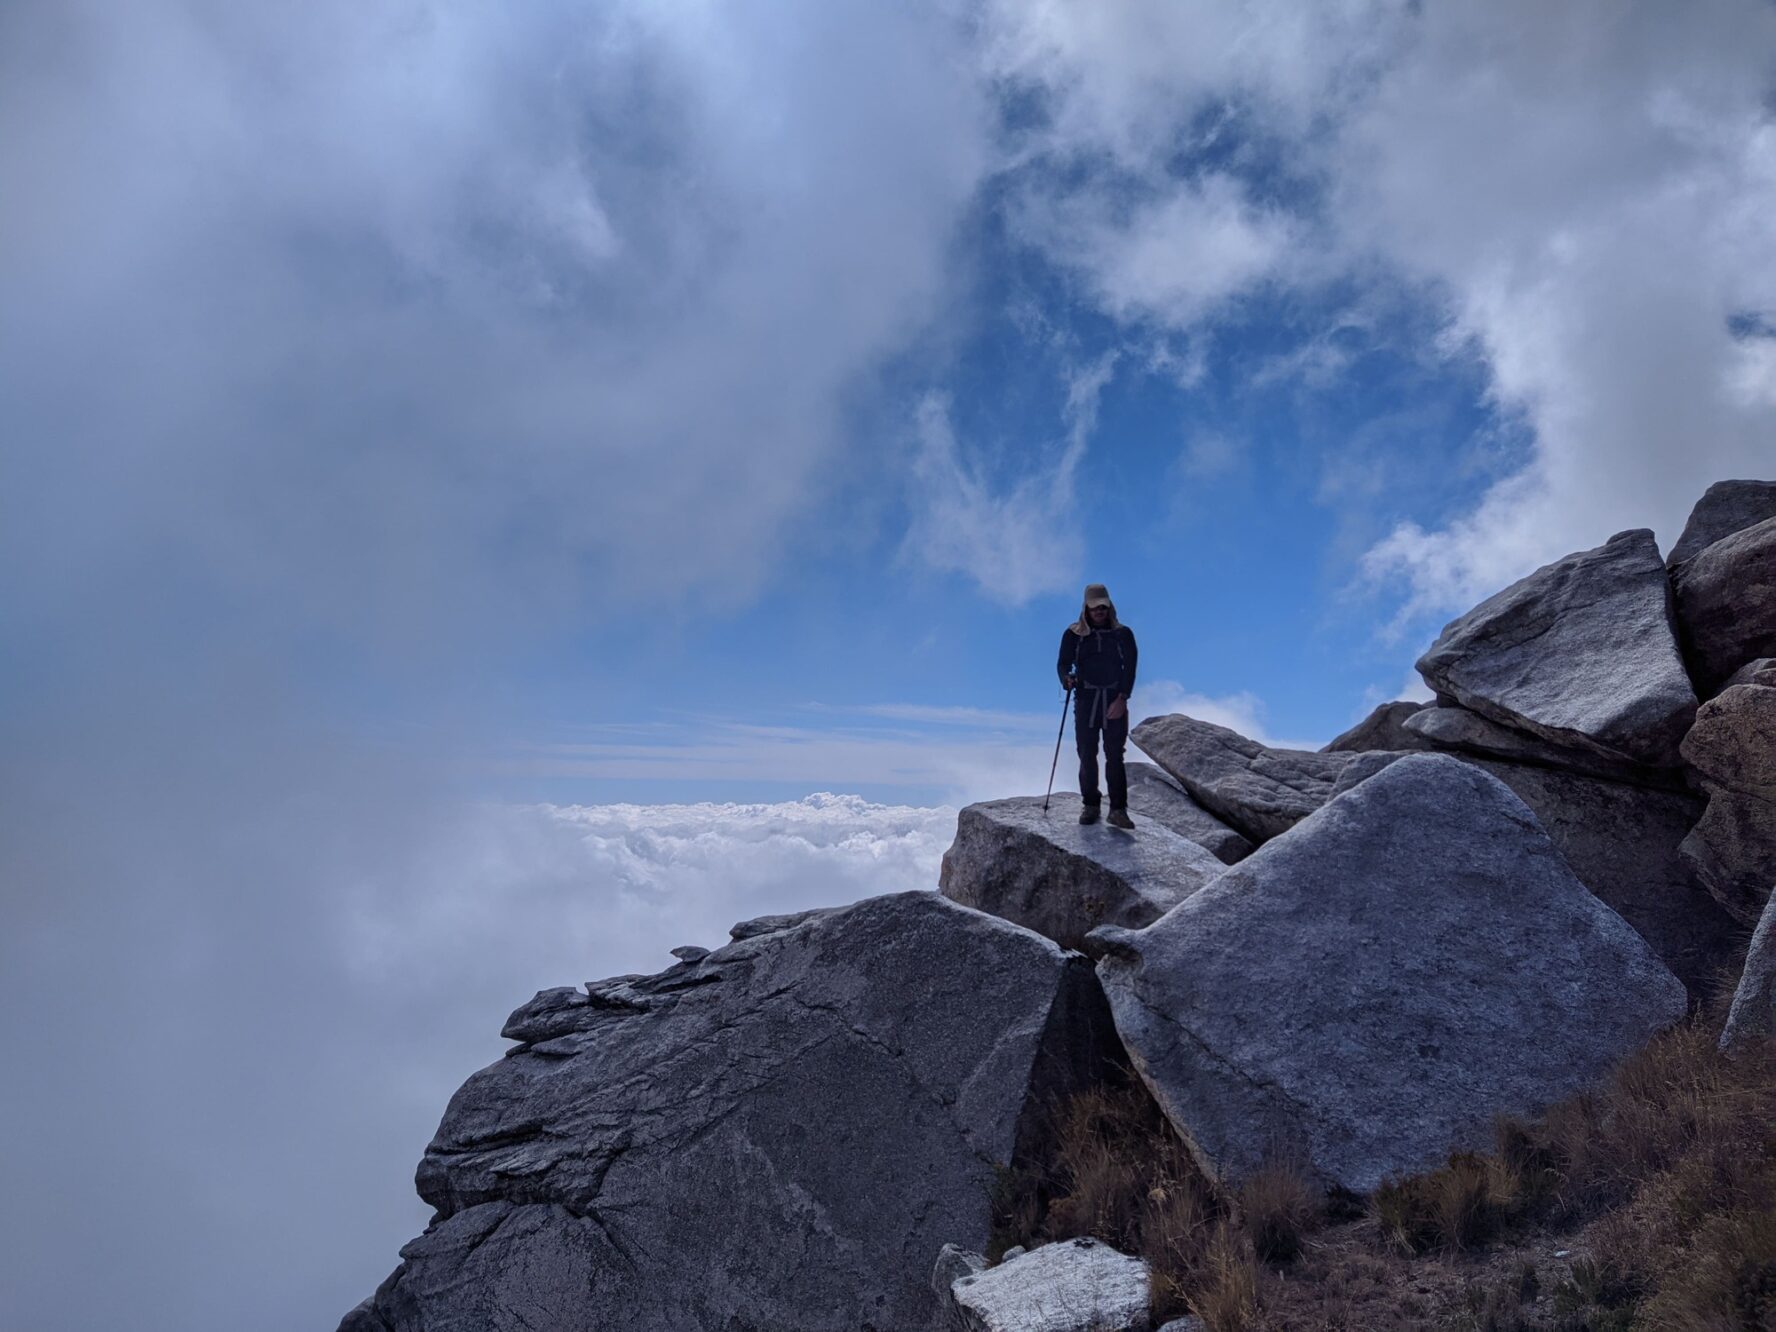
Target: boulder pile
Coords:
[[1349, 960]]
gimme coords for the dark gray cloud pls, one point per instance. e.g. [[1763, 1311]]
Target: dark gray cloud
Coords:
[[350, 353]]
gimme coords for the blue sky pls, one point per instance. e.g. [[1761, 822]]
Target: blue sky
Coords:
[[491, 492]]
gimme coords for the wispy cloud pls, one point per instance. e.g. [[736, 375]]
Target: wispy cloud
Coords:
[[1014, 541], [1580, 193]]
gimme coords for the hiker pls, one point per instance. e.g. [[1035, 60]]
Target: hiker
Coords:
[[1098, 662]]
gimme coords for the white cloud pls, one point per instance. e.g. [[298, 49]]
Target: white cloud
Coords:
[[1243, 712], [245, 1004], [958, 755], [1209, 454], [1583, 191], [1016, 541], [1578, 180], [430, 325]]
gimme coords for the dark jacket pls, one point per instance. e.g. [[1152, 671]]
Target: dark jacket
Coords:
[[1104, 658]]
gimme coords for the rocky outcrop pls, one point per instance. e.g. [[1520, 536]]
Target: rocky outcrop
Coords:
[[1581, 653], [1079, 1285], [1048, 873], [1160, 799], [1385, 728], [1726, 507], [1726, 604], [1455, 729], [1623, 842], [1753, 1015], [1366, 993], [1732, 749], [778, 1135], [1260, 791]]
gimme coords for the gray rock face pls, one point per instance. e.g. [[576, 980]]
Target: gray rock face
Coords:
[[1733, 743], [1624, 844], [776, 1136], [1365, 994], [1753, 1015], [1259, 791], [1457, 729], [1726, 507], [1732, 749], [1385, 728], [1155, 796], [1726, 603], [1762, 671], [1079, 1285], [1048, 873], [1581, 652]]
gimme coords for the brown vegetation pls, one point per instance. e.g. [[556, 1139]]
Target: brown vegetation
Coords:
[[1647, 1203]]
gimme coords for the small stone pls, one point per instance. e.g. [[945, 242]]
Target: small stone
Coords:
[[1080, 1285], [690, 953]]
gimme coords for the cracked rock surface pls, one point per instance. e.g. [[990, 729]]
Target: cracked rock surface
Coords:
[[1450, 728], [1582, 652], [1257, 790], [1364, 994], [1726, 603], [1050, 874], [777, 1135]]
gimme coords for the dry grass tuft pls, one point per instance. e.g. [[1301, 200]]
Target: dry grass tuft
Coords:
[[1279, 1208], [1117, 1171], [1665, 1176], [1466, 1203], [1222, 1289]]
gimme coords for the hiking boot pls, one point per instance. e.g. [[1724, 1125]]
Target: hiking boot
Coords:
[[1088, 813], [1119, 818]]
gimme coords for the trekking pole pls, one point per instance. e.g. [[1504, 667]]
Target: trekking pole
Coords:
[[1065, 695]]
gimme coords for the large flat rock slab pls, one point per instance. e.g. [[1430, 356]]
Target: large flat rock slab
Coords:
[[1049, 873], [1255, 789], [1726, 507], [1456, 729], [1158, 797], [777, 1135], [1726, 603], [1582, 652], [1365, 994]]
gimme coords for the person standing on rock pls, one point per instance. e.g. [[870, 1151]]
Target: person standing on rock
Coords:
[[1097, 664]]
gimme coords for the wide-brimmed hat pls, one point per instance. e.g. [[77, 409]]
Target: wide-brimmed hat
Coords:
[[1096, 594]]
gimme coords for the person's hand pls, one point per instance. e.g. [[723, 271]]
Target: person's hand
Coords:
[[1117, 710], [1067, 683]]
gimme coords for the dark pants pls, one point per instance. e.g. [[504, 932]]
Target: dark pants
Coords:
[[1088, 725]]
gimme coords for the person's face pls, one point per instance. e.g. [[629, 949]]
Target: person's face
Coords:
[[1100, 614]]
